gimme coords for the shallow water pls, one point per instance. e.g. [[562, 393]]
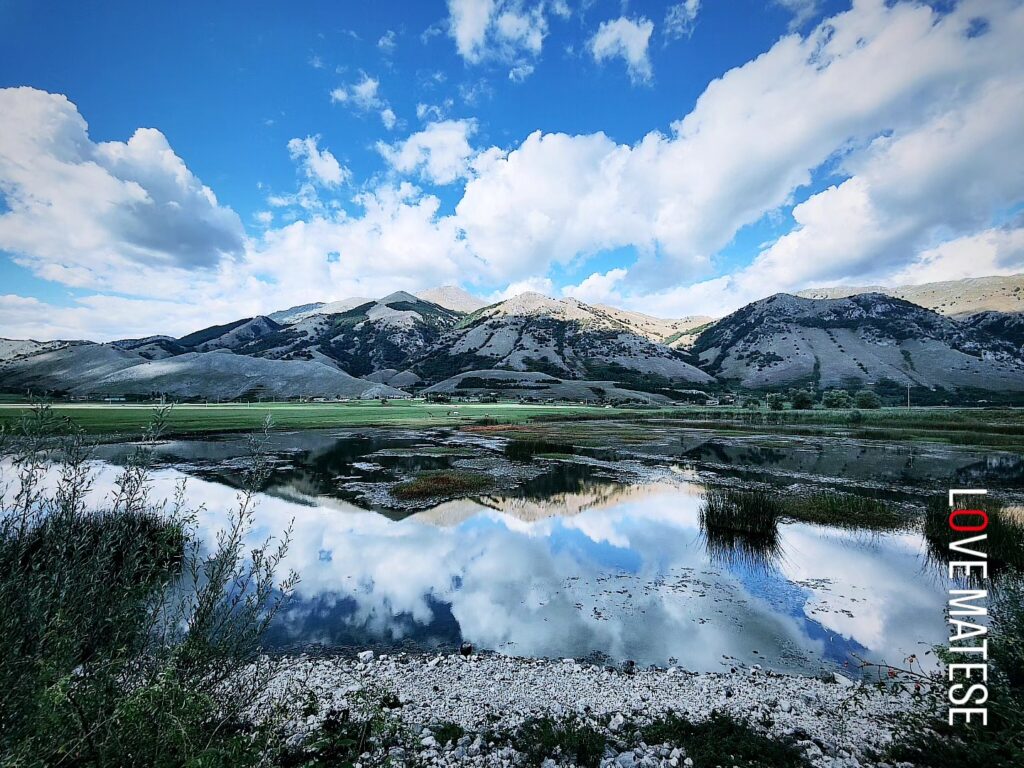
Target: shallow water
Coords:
[[571, 562]]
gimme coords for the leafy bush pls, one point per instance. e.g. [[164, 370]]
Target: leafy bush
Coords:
[[836, 398], [802, 400], [776, 401], [867, 400]]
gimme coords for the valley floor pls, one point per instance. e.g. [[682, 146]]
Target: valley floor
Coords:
[[993, 427]]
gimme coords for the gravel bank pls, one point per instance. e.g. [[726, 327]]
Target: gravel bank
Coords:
[[836, 723]]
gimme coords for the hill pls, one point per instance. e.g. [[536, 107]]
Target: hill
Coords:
[[955, 298], [787, 340], [562, 337], [105, 370]]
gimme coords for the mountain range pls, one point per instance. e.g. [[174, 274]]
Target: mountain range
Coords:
[[963, 336]]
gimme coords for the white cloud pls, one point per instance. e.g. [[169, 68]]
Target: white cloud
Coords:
[[802, 10], [93, 215], [908, 192], [441, 152], [681, 18], [364, 96], [433, 112], [506, 31], [467, 24], [319, 165], [991, 252], [388, 42], [627, 39], [531, 285], [598, 288], [756, 135]]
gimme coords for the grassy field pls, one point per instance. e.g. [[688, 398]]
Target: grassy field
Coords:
[[103, 418], [989, 427]]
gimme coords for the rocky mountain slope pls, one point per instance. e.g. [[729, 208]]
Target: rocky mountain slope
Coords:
[[785, 340], [562, 337], [1007, 326], [539, 347], [955, 298]]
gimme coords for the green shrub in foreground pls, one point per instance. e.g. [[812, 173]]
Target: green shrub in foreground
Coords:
[[723, 740], [567, 740], [124, 642]]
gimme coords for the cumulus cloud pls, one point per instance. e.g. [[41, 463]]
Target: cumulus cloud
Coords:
[[885, 90], [84, 213], [680, 19], [319, 165], [627, 39], [508, 31], [598, 288], [441, 152]]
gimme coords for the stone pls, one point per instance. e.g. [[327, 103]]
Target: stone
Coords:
[[365, 656]]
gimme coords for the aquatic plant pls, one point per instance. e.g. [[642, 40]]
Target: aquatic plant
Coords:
[[526, 450], [1004, 544], [741, 526], [844, 510], [443, 482]]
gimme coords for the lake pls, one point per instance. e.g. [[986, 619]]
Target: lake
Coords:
[[598, 555]]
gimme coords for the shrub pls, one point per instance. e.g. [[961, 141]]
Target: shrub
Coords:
[[867, 400], [124, 641], [776, 401], [836, 398], [802, 400]]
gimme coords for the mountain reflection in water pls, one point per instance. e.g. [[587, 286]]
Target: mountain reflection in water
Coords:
[[605, 568]]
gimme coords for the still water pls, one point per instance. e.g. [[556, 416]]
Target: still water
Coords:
[[573, 561]]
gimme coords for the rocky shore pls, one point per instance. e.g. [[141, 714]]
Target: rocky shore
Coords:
[[454, 709]]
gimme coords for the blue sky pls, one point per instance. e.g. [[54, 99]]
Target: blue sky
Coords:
[[164, 166]]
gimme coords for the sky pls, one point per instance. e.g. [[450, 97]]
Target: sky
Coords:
[[168, 166]]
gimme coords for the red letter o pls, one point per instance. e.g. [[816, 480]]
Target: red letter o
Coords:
[[953, 524]]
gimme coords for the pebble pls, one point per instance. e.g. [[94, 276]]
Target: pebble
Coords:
[[839, 725]]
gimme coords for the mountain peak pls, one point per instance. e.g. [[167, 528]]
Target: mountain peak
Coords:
[[454, 298], [398, 296]]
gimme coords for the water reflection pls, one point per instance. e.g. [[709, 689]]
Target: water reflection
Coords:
[[617, 570]]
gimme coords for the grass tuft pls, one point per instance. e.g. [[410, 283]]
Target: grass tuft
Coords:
[[741, 526], [565, 741]]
